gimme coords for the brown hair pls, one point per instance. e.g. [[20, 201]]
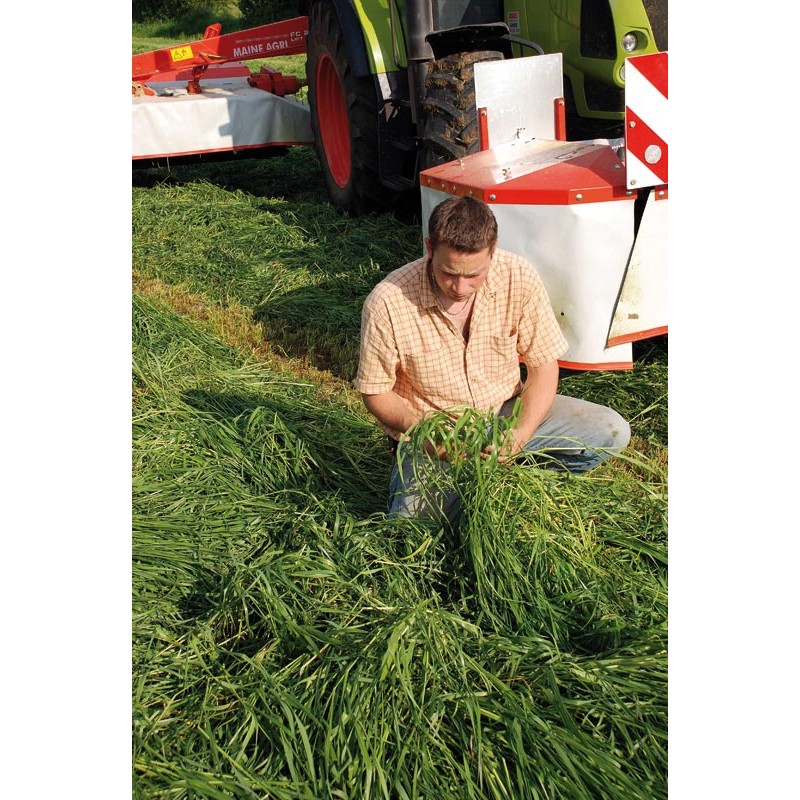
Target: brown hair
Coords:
[[463, 223]]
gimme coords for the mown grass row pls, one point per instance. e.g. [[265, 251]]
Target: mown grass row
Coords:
[[291, 641], [262, 233]]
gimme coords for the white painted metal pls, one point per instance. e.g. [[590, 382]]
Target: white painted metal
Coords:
[[580, 251], [228, 114], [430, 199], [518, 94], [642, 305]]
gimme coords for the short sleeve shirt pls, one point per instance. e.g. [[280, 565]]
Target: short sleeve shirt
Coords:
[[410, 347]]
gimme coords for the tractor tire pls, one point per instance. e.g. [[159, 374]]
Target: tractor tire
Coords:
[[450, 129], [344, 118]]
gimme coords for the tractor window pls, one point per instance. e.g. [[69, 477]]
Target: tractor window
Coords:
[[453, 13]]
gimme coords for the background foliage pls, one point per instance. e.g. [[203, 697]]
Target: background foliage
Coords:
[[188, 15]]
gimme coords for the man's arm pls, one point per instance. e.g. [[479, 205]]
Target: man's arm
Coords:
[[391, 410], [536, 398]]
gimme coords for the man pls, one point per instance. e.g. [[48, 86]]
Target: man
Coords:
[[449, 330]]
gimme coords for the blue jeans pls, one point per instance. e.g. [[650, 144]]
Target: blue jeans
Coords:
[[575, 435]]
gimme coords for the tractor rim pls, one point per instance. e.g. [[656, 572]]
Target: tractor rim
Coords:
[[333, 123]]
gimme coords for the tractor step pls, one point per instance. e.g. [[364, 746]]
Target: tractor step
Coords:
[[398, 183]]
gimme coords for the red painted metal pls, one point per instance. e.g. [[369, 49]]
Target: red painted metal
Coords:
[[610, 365], [141, 90], [636, 337], [595, 176], [275, 82], [646, 105], [214, 150], [483, 129], [655, 68], [230, 69], [333, 121], [560, 112], [276, 39]]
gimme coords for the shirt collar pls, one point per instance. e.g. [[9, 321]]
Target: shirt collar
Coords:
[[490, 284], [426, 293]]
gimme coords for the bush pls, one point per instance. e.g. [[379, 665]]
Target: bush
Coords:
[[164, 10], [261, 12], [196, 14]]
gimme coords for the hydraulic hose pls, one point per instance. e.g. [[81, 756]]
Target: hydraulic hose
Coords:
[[419, 23]]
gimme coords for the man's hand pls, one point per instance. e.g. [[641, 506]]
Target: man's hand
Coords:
[[436, 450], [512, 443], [536, 398], [433, 448]]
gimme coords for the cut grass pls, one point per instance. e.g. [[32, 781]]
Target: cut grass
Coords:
[[302, 268], [292, 641]]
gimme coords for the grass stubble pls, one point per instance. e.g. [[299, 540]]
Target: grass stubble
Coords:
[[291, 641]]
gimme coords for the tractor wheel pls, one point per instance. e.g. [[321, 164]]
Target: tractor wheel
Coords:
[[450, 129], [344, 118]]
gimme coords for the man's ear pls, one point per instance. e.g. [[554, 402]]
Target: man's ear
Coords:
[[428, 247]]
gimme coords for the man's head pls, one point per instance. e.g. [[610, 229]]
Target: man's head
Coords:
[[462, 234], [463, 223]]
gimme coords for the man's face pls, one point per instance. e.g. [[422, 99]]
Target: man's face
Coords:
[[458, 275]]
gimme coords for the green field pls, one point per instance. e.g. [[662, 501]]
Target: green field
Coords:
[[290, 641]]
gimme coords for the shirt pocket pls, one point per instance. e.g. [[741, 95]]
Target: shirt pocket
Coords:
[[504, 345]]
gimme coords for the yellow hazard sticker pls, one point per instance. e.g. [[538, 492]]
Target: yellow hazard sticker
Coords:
[[181, 53]]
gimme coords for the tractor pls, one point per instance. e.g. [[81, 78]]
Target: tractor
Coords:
[[391, 82]]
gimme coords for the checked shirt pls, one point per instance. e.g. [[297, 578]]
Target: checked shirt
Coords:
[[410, 347]]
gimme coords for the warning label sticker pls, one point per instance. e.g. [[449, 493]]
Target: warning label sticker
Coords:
[[181, 53], [513, 21]]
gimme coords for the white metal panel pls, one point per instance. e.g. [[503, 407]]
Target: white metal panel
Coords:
[[580, 251], [642, 305], [218, 119], [518, 94], [430, 199], [168, 88]]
